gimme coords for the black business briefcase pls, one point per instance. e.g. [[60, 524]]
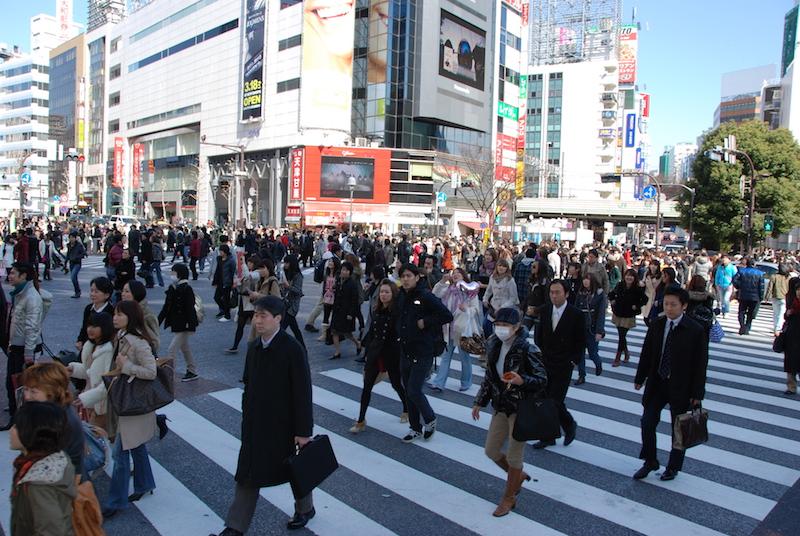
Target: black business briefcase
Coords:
[[311, 465]]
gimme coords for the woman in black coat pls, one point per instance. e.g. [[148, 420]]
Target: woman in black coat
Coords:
[[791, 328], [345, 309], [179, 314], [627, 300], [383, 352], [100, 291]]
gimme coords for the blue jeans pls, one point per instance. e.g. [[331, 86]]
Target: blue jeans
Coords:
[[120, 478], [413, 378], [111, 273], [156, 267], [724, 298], [444, 368], [202, 263], [488, 327], [591, 347], [74, 270]]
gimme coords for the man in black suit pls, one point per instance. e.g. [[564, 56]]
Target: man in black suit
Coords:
[[277, 415], [561, 338], [673, 362]]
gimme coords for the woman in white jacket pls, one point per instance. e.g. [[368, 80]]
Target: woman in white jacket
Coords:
[[461, 298], [96, 359], [501, 292]]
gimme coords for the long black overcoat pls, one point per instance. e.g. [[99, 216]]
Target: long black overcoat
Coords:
[[276, 407]]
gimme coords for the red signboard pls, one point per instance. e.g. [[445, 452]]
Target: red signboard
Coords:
[[328, 170], [292, 213], [628, 52], [516, 4], [119, 146], [296, 176], [645, 105], [138, 152]]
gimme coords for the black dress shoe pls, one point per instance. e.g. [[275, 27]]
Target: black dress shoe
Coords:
[[543, 444], [136, 496], [228, 532], [311, 329], [335, 356], [669, 474], [645, 470], [569, 434], [7, 427], [109, 512], [599, 369], [580, 381], [300, 520]]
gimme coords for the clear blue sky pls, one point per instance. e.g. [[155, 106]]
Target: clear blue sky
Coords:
[[684, 47]]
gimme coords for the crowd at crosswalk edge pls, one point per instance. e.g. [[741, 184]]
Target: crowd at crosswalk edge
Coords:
[[508, 324]]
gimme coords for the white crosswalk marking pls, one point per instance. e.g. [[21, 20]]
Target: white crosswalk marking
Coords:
[[728, 485]]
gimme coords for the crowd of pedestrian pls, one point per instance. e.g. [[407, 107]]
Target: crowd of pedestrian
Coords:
[[528, 313]]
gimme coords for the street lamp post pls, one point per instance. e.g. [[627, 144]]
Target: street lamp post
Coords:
[[351, 185], [717, 154], [238, 148]]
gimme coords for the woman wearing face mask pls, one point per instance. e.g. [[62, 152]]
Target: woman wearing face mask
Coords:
[[383, 352], [627, 300], [100, 291], [514, 370], [180, 316], [593, 302], [460, 297]]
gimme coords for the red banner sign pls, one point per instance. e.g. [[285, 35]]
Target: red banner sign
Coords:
[[119, 147], [645, 105], [296, 176], [138, 152], [292, 213]]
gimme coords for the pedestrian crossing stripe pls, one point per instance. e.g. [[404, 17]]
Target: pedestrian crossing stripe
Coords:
[[476, 517], [743, 464]]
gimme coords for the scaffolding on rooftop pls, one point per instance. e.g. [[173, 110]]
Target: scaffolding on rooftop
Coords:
[[570, 31]]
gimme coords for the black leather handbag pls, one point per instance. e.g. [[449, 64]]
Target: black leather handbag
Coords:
[[537, 418], [129, 395], [311, 465], [690, 429]]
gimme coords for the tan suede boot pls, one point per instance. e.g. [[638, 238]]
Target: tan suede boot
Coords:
[[502, 463], [509, 500]]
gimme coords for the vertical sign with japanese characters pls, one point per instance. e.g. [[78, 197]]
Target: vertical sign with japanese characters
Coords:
[[296, 178], [136, 170], [119, 148]]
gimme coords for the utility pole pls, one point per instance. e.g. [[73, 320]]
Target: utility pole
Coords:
[[237, 175]]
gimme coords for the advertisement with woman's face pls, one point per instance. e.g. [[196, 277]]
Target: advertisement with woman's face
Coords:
[[327, 75], [377, 52]]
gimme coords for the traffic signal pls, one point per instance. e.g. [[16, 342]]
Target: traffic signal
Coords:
[[769, 223], [81, 158]]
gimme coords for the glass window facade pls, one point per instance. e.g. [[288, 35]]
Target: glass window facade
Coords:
[[63, 106], [97, 62]]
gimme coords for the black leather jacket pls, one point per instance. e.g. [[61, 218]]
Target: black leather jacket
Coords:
[[523, 358]]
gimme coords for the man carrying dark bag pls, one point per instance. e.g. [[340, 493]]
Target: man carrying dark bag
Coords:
[[277, 416], [562, 341], [673, 363]]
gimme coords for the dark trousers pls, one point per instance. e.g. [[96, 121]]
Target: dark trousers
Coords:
[[74, 270], [622, 343], [222, 296], [414, 374], [16, 362], [290, 321], [241, 322], [193, 268], [371, 372], [747, 312], [245, 498], [557, 385], [651, 416]]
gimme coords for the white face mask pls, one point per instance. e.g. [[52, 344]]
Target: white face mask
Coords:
[[504, 333]]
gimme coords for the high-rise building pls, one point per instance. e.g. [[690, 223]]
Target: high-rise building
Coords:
[[67, 120], [387, 88], [740, 95]]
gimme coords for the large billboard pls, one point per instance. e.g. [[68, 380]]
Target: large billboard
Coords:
[[254, 28], [327, 170], [462, 51], [455, 64], [326, 84], [789, 39], [628, 52], [378, 44]]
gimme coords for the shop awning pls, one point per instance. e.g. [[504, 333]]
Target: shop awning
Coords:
[[476, 225]]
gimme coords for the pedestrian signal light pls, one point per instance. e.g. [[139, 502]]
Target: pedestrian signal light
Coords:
[[769, 223]]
